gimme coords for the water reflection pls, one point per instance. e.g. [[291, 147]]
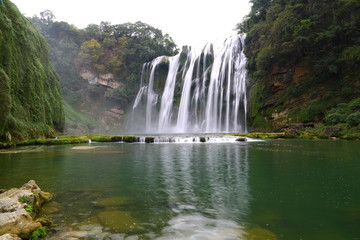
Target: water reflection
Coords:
[[174, 191], [207, 189], [294, 189]]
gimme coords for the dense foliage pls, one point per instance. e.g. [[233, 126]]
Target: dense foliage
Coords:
[[119, 49], [31, 104], [320, 38]]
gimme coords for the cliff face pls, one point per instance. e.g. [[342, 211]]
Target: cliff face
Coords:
[[100, 68], [30, 97], [303, 61], [292, 94]]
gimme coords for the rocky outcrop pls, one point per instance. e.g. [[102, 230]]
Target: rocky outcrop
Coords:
[[18, 207], [9, 236], [102, 79]]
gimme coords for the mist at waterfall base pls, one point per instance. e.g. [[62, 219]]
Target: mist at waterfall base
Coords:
[[196, 91]]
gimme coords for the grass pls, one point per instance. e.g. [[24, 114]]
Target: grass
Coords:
[[75, 139], [78, 121], [260, 135], [38, 233], [29, 203]]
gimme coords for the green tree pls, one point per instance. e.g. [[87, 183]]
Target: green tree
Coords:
[[90, 53]]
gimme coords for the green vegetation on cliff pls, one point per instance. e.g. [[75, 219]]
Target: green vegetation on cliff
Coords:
[[303, 60], [112, 52], [30, 97]]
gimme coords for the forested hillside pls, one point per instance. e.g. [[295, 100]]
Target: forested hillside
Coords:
[[100, 68], [30, 98], [304, 58]]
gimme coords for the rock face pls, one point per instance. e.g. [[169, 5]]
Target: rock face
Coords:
[[18, 206], [9, 237], [102, 79]]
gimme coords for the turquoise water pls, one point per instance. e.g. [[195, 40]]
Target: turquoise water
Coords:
[[280, 189]]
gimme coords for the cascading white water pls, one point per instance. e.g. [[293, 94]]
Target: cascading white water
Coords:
[[203, 91]]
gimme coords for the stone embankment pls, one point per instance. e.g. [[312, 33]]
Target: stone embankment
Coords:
[[18, 208]]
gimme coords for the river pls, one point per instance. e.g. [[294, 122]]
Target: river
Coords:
[[274, 189]]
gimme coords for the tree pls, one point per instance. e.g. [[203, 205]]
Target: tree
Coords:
[[90, 54], [47, 17]]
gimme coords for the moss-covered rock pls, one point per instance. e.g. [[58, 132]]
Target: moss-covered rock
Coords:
[[130, 139], [202, 139]]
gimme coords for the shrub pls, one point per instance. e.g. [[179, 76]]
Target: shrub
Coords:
[[353, 119], [335, 118], [354, 105], [264, 59]]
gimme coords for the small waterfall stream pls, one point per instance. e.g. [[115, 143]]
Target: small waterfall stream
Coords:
[[196, 91]]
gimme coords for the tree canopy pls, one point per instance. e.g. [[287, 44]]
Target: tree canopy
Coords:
[[320, 37], [120, 49]]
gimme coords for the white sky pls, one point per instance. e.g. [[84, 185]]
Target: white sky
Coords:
[[188, 22]]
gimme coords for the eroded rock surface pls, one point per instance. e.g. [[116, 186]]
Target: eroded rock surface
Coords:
[[18, 207]]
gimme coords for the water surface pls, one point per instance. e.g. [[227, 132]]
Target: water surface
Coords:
[[281, 189]]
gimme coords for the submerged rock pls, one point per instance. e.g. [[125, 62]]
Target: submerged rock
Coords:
[[18, 208], [112, 202], [119, 221], [50, 208], [259, 234]]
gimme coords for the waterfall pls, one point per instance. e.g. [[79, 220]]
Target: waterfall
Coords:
[[194, 91]]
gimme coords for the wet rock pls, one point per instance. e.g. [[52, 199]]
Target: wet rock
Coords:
[[44, 221], [119, 221], [71, 235], [17, 208], [241, 140], [149, 139], [50, 208]]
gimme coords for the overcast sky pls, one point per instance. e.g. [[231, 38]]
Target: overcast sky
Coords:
[[188, 22]]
